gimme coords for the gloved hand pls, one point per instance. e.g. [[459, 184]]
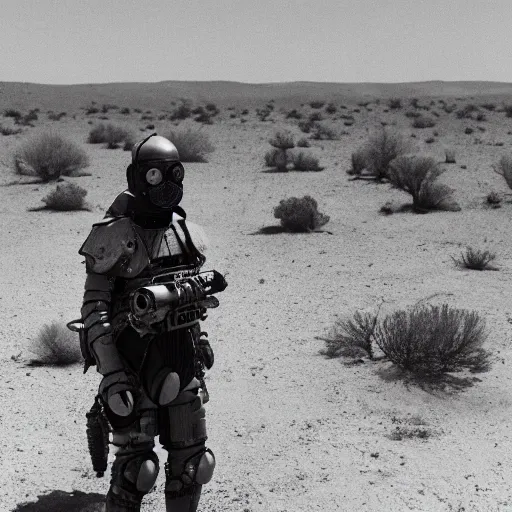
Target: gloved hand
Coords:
[[117, 391], [206, 350]]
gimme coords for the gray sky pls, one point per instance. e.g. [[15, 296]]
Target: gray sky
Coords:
[[93, 41]]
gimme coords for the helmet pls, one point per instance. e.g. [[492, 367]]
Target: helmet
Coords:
[[155, 175]]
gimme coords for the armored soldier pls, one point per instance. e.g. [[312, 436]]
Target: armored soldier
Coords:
[[144, 298]]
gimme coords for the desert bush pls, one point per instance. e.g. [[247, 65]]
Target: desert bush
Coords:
[[300, 214], [305, 126], [303, 143], [66, 197], [475, 259], [394, 103], [183, 111], [317, 104], [449, 154], [125, 111], [293, 114], [55, 345], [50, 156], [11, 112], [432, 340], [412, 114], [425, 340], [304, 162], [449, 108], [468, 131], [212, 109], [358, 160], [489, 106], [27, 119], [493, 199], [466, 112], [508, 110], [277, 159], [282, 140], [53, 116], [504, 168], [481, 117], [6, 130], [315, 116], [91, 110], [417, 176], [331, 108], [192, 145], [424, 122], [380, 150], [110, 133], [351, 337], [263, 113], [321, 131]]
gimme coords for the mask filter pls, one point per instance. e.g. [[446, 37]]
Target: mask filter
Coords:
[[166, 195]]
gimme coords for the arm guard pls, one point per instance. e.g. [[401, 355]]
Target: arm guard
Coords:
[[98, 342]]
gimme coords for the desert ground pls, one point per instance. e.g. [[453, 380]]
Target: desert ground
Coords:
[[291, 429]]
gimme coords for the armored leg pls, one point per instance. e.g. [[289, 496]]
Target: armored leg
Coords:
[[189, 464], [136, 466]]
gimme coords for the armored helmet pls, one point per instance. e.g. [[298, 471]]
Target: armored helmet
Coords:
[[156, 173]]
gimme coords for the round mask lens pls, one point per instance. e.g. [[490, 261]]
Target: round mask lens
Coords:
[[178, 173], [154, 176]]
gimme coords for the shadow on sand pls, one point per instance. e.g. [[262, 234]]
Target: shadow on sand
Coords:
[[62, 501], [444, 384]]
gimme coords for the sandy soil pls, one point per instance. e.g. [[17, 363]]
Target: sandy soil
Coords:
[[291, 430]]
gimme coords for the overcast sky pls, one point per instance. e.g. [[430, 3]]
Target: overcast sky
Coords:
[[97, 41]]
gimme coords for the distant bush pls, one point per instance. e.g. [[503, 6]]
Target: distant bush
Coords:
[[303, 143], [305, 126], [66, 197], [321, 131], [508, 110], [413, 114], [504, 168], [358, 159], [192, 145], [467, 111], [331, 108], [315, 116], [278, 157], [449, 108], [481, 117], [493, 199], [10, 112], [50, 156], [304, 162], [424, 122], [394, 103], [425, 340], [53, 116], [27, 119], [417, 176], [449, 155], [263, 113], [181, 112], [55, 345], [317, 104], [293, 114], [125, 111], [380, 150], [111, 134], [91, 110], [468, 131], [475, 259], [300, 214], [6, 130]]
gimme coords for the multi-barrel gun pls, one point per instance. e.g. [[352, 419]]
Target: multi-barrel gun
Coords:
[[177, 303]]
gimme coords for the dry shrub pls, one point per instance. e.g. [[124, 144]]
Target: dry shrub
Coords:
[[304, 162], [358, 159], [303, 143], [424, 122], [504, 168], [394, 103], [7, 130], [352, 337], [192, 145], [111, 134], [66, 197], [55, 345], [449, 155], [417, 176], [432, 340], [508, 110], [49, 156], [475, 259], [321, 131], [380, 150], [282, 140], [300, 214], [277, 158]]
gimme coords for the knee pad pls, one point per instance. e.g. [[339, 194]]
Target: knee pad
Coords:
[[184, 471], [134, 474]]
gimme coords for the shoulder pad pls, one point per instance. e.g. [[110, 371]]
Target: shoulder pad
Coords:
[[114, 248]]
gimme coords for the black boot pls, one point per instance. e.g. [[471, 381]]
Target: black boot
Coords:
[[180, 502]]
